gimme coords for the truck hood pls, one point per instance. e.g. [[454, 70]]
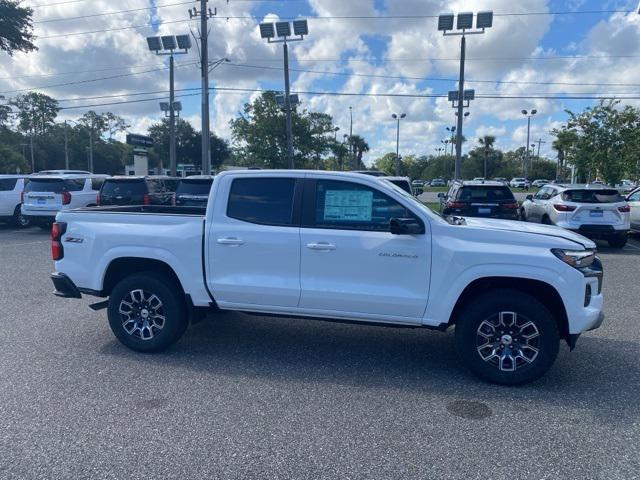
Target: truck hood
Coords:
[[532, 228]]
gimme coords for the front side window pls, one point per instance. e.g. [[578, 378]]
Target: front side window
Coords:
[[635, 197], [351, 206], [265, 201], [7, 184]]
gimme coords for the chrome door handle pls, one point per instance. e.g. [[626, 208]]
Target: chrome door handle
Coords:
[[321, 246], [233, 241]]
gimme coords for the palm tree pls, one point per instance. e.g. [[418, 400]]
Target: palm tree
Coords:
[[565, 139], [359, 147], [487, 142]]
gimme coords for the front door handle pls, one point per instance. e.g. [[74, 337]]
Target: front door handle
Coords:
[[233, 241], [322, 246]]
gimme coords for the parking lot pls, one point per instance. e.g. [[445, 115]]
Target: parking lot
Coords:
[[255, 397]]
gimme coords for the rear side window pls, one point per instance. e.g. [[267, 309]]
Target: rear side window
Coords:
[[266, 201], [592, 196], [7, 184], [123, 188], [485, 193], [403, 184], [194, 187], [54, 185], [351, 206]]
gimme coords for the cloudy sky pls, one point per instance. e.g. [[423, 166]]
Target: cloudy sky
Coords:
[[376, 56]]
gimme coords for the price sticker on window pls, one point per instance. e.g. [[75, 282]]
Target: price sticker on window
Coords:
[[348, 205]]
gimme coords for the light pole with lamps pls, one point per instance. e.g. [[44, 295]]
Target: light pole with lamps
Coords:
[[464, 24], [397, 117], [283, 30], [526, 160], [167, 46]]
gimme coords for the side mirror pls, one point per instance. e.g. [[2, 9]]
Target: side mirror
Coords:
[[529, 197], [405, 226], [442, 195]]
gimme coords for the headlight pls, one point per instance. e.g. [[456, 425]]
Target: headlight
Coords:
[[575, 258]]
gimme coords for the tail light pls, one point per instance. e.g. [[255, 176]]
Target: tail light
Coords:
[[564, 208], [624, 209], [98, 199], [22, 197], [510, 206], [66, 198], [57, 230], [146, 200], [455, 204]]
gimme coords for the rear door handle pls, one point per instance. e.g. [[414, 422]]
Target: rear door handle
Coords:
[[321, 246], [233, 241]]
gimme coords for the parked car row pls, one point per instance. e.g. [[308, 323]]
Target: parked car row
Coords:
[[36, 199]]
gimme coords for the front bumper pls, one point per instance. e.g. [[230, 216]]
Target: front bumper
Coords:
[[64, 286]]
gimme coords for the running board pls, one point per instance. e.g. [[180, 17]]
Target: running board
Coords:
[[99, 306]]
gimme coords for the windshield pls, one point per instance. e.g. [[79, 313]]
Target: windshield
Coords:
[[124, 188], [194, 187], [592, 196], [54, 185]]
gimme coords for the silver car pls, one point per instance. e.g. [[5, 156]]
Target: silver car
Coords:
[[595, 211], [634, 203]]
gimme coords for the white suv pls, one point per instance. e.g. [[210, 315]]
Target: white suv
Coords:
[[595, 211], [46, 195], [11, 187], [519, 182], [634, 203]]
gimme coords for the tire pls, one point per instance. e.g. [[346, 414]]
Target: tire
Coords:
[[618, 241], [46, 226], [19, 220], [480, 334], [131, 315], [546, 220]]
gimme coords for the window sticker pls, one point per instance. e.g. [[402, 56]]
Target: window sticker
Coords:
[[348, 205]]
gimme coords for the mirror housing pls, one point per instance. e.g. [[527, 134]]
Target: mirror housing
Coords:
[[442, 195], [405, 226], [529, 197]]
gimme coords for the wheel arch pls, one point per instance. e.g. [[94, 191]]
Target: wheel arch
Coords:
[[541, 291], [122, 267]]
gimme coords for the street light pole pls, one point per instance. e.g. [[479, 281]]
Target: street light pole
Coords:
[[172, 121], [463, 48], [66, 147], [287, 106], [351, 146], [398, 118], [526, 160]]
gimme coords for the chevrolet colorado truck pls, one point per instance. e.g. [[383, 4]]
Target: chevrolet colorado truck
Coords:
[[334, 246]]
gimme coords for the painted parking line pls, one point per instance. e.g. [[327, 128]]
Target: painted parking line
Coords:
[[25, 243]]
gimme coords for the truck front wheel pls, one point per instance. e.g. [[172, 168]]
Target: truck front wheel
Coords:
[[146, 312], [507, 337]]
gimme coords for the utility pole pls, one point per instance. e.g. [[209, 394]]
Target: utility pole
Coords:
[[540, 142], [204, 13], [398, 118], [463, 49], [91, 147], [66, 147], [33, 161]]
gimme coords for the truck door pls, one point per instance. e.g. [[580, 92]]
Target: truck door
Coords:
[[351, 263], [254, 242]]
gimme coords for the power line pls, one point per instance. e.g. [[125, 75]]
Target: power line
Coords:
[[55, 4], [432, 79], [114, 29], [117, 12]]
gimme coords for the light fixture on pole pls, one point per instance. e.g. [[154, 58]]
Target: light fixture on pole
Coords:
[[282, 30], [398, 118], [170, 45], [526, 159], [464, 26], [453, 137]]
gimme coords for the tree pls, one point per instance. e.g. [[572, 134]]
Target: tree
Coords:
[[16, 27], [260, 139], [11, 161], [114, 124], [486, 143], [359, 147], [5, 111], [36, 112], [96, 122]]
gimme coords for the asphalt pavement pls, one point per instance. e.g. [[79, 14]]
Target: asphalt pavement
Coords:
[[253, 397]]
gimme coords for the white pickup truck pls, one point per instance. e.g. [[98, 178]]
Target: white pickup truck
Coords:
[[335, 246]]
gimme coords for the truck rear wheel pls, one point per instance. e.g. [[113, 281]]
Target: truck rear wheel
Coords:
[[507, 337], [147, 312]]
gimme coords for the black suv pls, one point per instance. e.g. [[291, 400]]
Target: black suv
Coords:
[[194, 191], [479, 199], [152, 190]]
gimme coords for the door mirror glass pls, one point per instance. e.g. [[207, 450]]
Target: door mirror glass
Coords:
[[405, 226], [529, 197]]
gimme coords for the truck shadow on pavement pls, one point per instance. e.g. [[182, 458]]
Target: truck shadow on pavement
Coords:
[[601, 375]]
